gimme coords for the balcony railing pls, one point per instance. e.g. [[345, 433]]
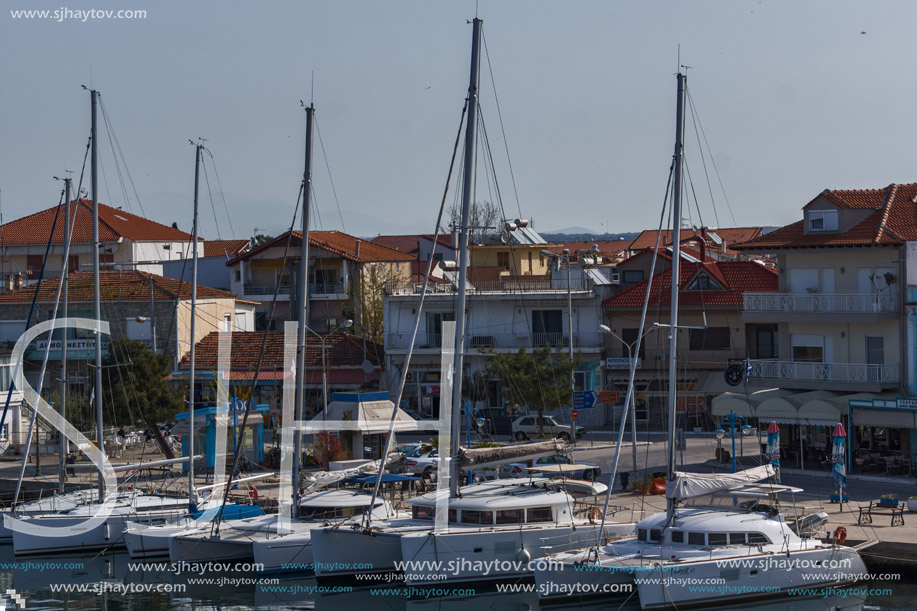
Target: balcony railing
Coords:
[[515, 285], [324, 288], [483, 340], [825, 372], [815, 302]]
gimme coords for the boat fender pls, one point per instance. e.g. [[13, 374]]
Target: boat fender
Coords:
[[840, 535], [107, 531], [523, 555], [253, 493]]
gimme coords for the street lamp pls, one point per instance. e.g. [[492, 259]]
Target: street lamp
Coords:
[[630, 399], [720, 433], [344, 325], [565, 256]]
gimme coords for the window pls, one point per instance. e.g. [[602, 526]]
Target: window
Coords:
[[678, 536], [33, 266], [323, 280], [629, 335], [539, 514], [822, 220], [755, 538], [238, 275], [473, 516], [808, 354], [696, 539], [73, 263], [632, 276], [641, 534], [703, 282], [716, 538], [435, 327], [106, 261], [579, 380], [419, 512], [510, 516], [227, 322], [766, 341], [503, 260], [736, 538], [547, 327], [655, 534], [709, 338]]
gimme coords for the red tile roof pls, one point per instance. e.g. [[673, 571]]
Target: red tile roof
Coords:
[[409, 243], [336, 242], [607, 248], [224, 248], [113, 224], [344, 351], [114, 286], [891, 222], [737, 278], [647, 238]]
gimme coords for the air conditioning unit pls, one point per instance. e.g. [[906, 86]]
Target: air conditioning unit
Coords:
[[616, 276], [409, 377]]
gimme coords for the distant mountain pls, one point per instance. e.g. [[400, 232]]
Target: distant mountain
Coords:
[[569, 230], [585, 235]]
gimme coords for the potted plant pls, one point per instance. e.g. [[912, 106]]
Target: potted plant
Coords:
[[912, 503], [889, 499]]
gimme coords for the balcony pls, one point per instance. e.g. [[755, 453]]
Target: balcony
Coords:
[[500, 341], [793, 307], [827, 376], [316, 290], [516, 284]]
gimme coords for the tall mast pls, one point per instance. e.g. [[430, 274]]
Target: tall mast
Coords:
[[467, 189], [676, 270], [62, 402], [191, 373], [96, 290], [299, 404]]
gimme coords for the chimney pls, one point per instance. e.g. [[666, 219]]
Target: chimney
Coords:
[[357, 249], [703, 246]]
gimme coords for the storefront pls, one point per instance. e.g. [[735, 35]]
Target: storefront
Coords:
[[883, 435]]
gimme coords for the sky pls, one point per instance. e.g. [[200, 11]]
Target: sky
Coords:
[[793, 98]]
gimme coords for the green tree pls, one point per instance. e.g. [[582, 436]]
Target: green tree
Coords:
[[135, 385], [259, 238], [365, 299], [540, 378]]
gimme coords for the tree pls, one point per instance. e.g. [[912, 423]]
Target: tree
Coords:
[[260, 238], [134, 383], [540, 378], [365, 299], [482, 217]]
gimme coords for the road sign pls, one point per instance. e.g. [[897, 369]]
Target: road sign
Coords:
[[585, 399], [609, 396], [575, 414]]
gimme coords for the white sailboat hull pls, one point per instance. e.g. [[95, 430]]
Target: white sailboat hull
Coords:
[[344, 552], [469, 555], [708, 582]]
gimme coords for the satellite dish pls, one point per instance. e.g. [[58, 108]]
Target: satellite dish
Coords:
[[368, 367], [504, 239]]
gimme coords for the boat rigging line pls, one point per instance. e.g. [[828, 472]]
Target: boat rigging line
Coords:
[[334, 192]]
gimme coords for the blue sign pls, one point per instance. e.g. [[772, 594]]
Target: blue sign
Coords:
[[585, 399]]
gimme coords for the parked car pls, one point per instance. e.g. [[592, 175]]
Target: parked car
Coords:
[[422, 461], [525, 427], [588, 471]]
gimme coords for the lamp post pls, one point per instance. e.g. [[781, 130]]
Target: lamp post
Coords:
[[344, 325], [565, 256], [732, 418], [630, 400]]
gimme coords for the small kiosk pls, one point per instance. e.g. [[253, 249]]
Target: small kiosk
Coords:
[[205, 431]]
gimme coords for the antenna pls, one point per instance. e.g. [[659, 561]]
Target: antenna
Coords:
[[312, 93]]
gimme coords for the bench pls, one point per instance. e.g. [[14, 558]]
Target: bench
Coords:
[[876, 508]]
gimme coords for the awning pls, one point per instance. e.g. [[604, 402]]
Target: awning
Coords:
[[745, 404], [814, 408]]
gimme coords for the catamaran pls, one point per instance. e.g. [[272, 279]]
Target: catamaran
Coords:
[[745, 546]]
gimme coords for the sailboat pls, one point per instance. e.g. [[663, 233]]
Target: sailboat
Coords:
[[501, 524], [722, 529]]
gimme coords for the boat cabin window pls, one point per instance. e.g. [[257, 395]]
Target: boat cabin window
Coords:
[[736, 538], [678, 536], [419, 512], [510, 516], [331, 513], [655, 535], [755, 538], [539, 514], [716, 538], [641, 534], [473, 516], [696, 539]]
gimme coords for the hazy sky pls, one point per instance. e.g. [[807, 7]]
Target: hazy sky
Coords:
[[794, 97]]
